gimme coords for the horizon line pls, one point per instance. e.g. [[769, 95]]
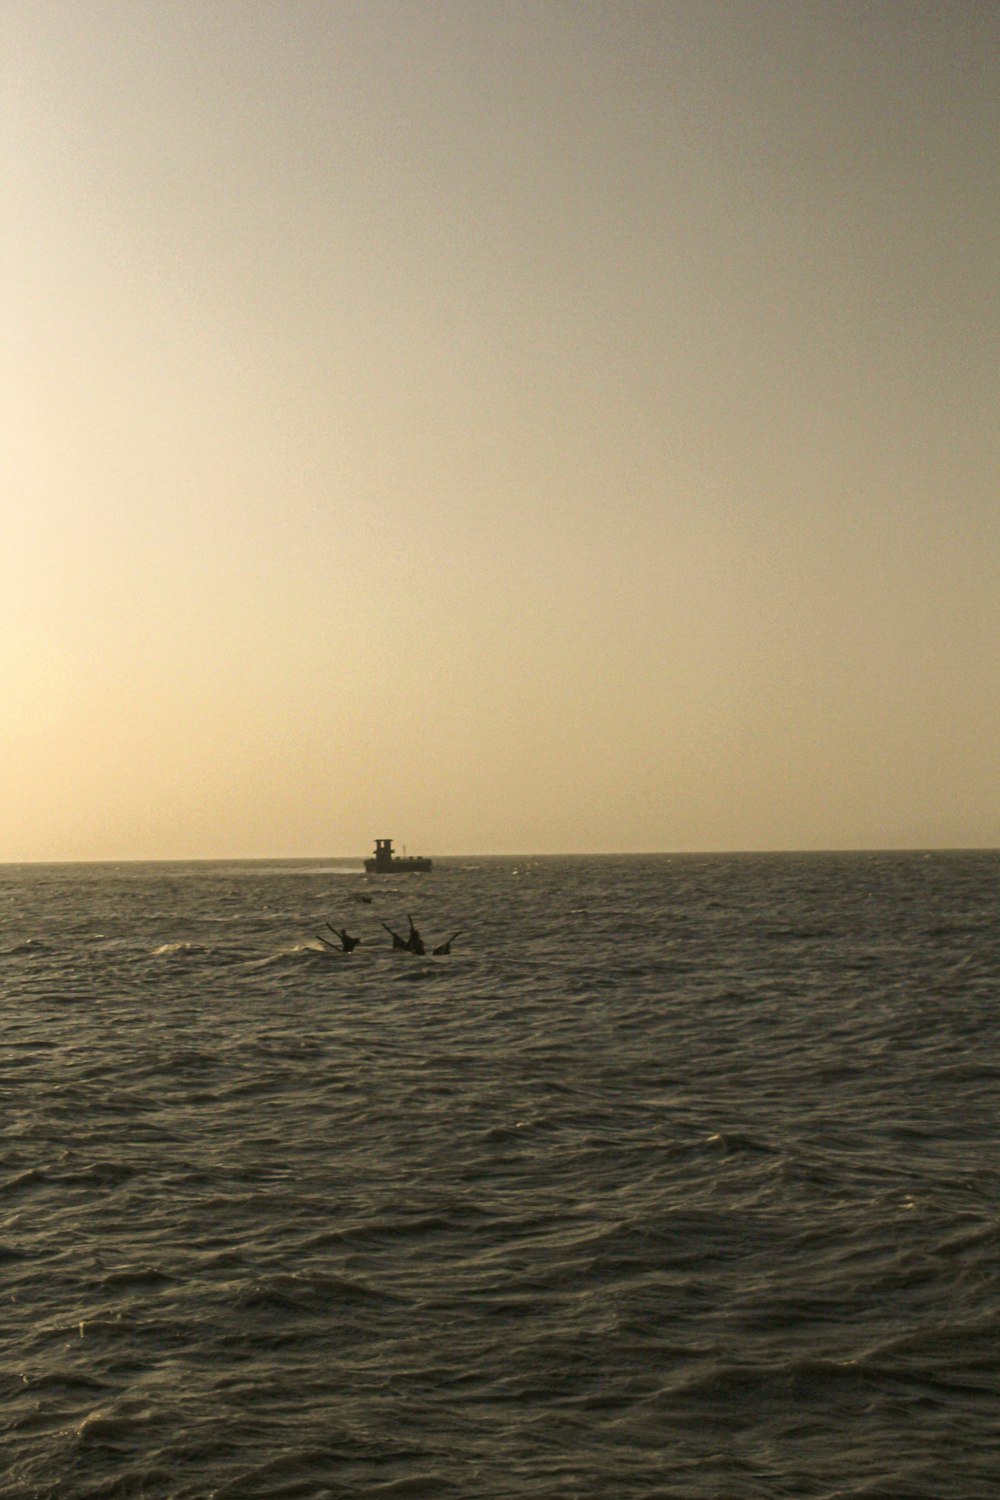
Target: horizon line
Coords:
[[218, 859]]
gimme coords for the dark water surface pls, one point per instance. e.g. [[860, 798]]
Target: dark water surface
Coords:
[[678, 1177]]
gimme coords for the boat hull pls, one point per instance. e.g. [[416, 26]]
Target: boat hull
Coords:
[[401, 865]]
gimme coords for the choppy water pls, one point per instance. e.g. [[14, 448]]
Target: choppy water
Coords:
[[678, 1177]]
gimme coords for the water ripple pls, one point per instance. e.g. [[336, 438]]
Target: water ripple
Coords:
[[677, 1177]]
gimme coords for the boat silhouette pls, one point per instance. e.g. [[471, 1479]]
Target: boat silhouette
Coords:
[[384, 862]]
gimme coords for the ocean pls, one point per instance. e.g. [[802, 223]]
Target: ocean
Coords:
[[679, 1176]]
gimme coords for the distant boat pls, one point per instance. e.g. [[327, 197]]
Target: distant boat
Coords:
[[385, 862]]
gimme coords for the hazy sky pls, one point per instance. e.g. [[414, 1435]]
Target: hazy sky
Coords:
[[510, 427]]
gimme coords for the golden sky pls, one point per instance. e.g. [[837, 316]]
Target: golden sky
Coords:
[[511, 427]]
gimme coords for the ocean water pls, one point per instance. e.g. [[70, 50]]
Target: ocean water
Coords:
[[678, 1176]]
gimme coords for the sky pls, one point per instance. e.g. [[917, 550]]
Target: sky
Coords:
[[552, 427]]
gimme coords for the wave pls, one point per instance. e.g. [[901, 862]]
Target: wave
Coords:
[[22, 1181], [26, 949], [180, 950], [189, 950], [304, 1292], [136, 1278], [300, 954]]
